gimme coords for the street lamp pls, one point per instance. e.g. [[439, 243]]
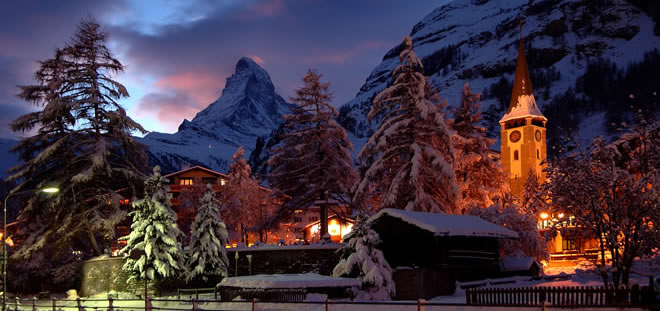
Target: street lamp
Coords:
[[5, 235]]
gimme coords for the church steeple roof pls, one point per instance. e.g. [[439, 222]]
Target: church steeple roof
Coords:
[[522, 103]]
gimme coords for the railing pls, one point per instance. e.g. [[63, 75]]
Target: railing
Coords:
[[150, 304], [196, 291], [579, 296]]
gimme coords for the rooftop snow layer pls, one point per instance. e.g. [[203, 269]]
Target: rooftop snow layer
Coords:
[[448, 225], [307, 280]]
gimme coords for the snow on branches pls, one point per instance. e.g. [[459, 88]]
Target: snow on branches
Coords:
[[411, 152], [479, 176], [154, 234], [246, 206], [360, 258], [613, 190], [207, 256], [505, 212]]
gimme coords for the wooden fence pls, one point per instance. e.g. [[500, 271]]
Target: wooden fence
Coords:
[[578, 296]]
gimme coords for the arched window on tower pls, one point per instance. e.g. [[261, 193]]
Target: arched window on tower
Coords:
[[538, 156], [515, 155]]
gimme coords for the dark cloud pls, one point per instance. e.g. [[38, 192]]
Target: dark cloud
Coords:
[[186, 61], [30, 31]]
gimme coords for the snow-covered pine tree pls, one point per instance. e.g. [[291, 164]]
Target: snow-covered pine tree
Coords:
[[505, 212], [207, 256], [360, 258], [313, 160], [479, 176], [243, 198], [534, 199], [411, 150], [154, 233], [83, 145]]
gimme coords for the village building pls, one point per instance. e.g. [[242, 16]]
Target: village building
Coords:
[[429, 252], [523, 150]]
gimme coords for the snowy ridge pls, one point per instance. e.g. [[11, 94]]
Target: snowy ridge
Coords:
[[477, 42], [447, 225], [248, 108]]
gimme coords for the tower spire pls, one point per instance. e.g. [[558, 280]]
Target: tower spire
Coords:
[[522, 96]]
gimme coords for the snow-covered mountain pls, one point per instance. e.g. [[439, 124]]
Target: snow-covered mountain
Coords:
[[248, 108], [580, 54]]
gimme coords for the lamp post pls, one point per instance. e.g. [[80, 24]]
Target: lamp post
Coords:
[[5, 260]]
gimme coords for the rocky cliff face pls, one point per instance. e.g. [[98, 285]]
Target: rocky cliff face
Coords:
[[586, 58], [248, 108]]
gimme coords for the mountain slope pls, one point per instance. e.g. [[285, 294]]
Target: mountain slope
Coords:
[[475, 41], [248, 108]]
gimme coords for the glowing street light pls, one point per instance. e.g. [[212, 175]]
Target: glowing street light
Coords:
[[544, 215], [6, 236]]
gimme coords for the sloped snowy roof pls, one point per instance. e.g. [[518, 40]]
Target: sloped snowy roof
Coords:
[[197, 167], [448, 225], [307, 280], [525, 106], [512, 264]]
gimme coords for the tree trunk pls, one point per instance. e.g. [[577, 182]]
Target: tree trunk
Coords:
[[323, 230], [92, 239]]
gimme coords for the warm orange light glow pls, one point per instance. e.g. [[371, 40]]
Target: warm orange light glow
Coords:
[[333, 227], [9, 242], [561, 215], [544, 215]]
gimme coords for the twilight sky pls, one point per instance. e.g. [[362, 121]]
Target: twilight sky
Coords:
[[178, 53]]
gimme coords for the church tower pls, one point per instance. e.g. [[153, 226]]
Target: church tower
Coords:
[[522, 128]]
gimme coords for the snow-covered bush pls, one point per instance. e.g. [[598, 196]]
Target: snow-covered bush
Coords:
[[154, 234], [361, 259], [207, 253], [506, 213]]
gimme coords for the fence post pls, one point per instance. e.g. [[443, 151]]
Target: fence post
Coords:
[[254, 304], [147, 304], [110, 307], [16, 303], [54, 304], [195, 305], [327, 304], [34, 303], [178, 293], [196, 293], [78, 302], [420, 306], [215, 292]]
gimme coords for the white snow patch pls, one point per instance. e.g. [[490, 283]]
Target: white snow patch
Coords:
[[448, 225]]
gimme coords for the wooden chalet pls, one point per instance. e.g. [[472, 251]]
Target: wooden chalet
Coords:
[[429, 252]]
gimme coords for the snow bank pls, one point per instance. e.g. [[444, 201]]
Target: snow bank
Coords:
[[307, 280], [511, 264], [448, 225]]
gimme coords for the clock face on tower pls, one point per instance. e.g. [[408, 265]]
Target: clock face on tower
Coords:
[[537, 135], [515, 136]]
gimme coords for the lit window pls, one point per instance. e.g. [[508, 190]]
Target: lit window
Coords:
[[568, 244], [186, 181], [223, 182]]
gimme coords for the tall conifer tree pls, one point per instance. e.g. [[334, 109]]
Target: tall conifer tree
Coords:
[[411, 150], [83, 145], [313, 161]]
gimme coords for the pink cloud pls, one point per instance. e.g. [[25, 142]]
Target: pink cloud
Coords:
[[258, 60], [340, 57], [266, 8], [180, 96]]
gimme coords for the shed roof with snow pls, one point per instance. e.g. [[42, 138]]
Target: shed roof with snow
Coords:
[[448, 225]]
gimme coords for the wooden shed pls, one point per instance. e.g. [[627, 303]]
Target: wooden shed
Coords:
[[430, 252]]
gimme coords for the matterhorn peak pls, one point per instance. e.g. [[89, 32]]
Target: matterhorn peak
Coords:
[[248, 108]]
